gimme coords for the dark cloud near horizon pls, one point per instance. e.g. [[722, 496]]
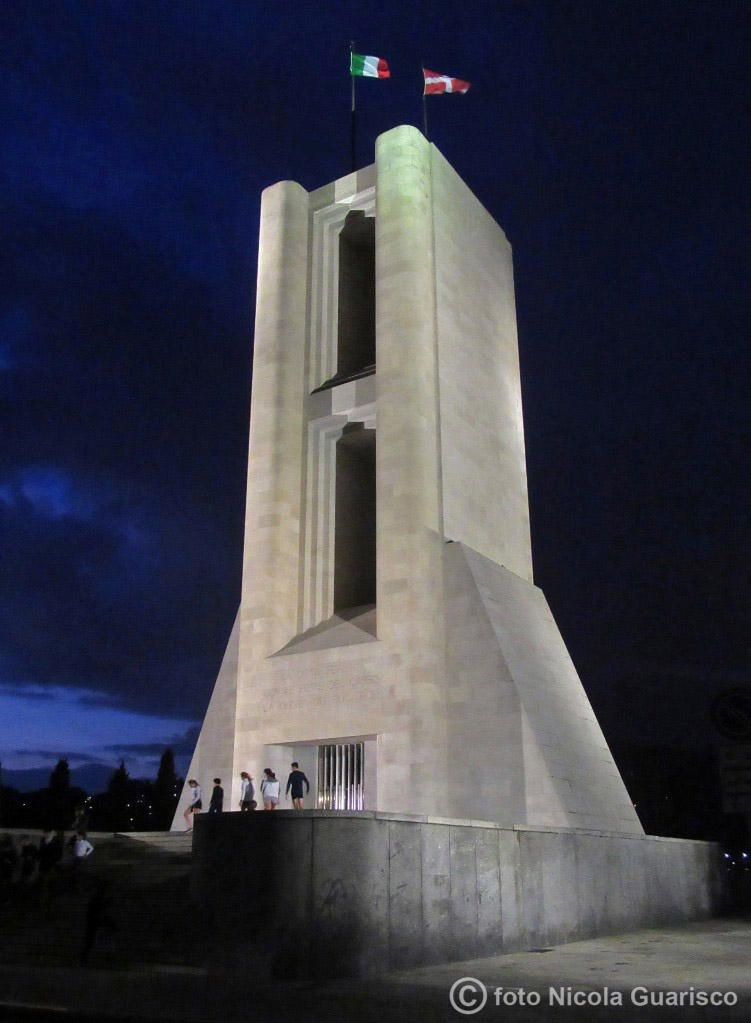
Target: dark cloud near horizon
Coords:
[[609, 144], [181, 745], [29, 692], [55, 755]]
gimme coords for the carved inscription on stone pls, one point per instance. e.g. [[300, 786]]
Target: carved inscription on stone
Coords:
[[337, 683]]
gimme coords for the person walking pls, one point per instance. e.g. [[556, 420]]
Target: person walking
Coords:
[[216, 804], [295, 783], [29, 857], [81, 817], [195, 802], [8, 859], [50, 854], [82, 849], [98, 917], [247, 792], [270, 789]]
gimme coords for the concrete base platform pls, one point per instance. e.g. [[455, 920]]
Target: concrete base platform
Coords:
[[325, 894]]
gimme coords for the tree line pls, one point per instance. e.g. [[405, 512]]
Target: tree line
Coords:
[[128, 804]]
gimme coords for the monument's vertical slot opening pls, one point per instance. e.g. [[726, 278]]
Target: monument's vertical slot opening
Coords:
[[355, 520], [356, 319]]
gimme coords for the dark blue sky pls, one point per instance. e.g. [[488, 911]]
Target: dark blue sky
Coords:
[[610, 141]]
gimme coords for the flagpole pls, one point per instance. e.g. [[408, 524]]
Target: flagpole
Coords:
[[353, 133], [424, 107]]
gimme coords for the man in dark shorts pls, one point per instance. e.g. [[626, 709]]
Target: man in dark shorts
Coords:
[[295, 783]]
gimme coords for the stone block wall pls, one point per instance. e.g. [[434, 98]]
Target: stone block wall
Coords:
[[322, 894]]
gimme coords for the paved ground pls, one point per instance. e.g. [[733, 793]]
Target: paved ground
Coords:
[[713, 956]]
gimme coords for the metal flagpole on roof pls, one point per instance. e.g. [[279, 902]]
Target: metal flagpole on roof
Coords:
[[424, 104], [352, 77]]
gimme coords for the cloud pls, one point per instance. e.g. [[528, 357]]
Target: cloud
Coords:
[[75, 757], [27, 692], [110, 701], [54, 493], [122, 569], [181, 745], [65, 722], [50, 492], [126, 316], [15, 335], [144, 749]]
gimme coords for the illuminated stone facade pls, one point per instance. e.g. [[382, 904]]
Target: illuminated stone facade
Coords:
[[387, 591]]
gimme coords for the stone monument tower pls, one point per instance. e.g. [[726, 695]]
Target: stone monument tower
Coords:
[[390, 637]]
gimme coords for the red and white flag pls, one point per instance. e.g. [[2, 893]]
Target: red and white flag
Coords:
[[435, 83]]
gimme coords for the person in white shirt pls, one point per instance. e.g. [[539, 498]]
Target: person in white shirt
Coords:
[[270, 789], [195, 802], [82, 847]]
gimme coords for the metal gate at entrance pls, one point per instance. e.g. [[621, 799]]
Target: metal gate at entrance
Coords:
[[341, 767]]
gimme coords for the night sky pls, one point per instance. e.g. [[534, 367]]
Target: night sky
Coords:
[[609, 140]]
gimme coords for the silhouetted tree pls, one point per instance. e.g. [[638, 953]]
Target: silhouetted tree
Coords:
[[13, 807], [165, 792], [59, 808], [60, 779], [118, 799]]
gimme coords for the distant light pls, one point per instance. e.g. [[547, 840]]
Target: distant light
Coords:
[[745, 856], [727, 856]]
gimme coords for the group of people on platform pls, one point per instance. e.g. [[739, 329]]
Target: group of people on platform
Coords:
[[270, 793]]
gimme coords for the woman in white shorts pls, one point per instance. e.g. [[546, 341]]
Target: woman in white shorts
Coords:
[[195, 802], [270, 790]]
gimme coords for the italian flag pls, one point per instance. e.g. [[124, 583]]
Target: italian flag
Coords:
[[368, 67], [435, 83]]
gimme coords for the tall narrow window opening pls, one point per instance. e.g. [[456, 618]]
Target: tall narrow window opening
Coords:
[[355, 519], [356, 319]]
